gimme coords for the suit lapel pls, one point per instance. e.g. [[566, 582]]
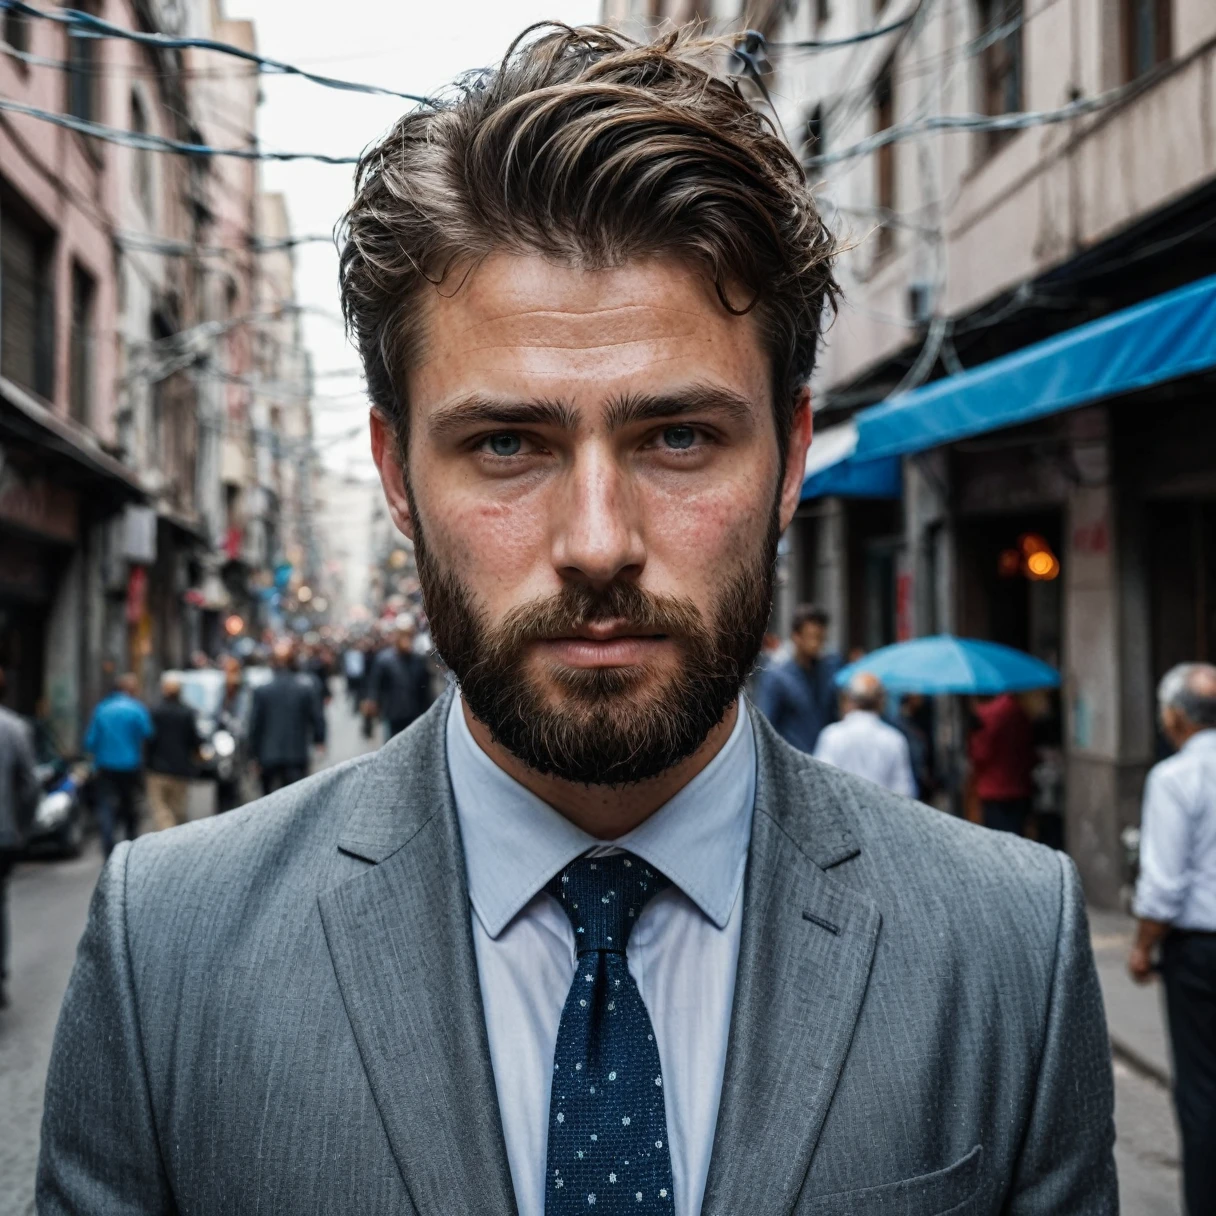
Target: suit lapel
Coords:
[[804, 961], [400, 939]]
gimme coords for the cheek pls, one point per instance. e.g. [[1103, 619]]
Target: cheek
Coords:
[[498, 549], [697, 536]]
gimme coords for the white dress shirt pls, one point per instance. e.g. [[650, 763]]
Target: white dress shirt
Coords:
[[863, 744], [1177, 883], [682, 954]]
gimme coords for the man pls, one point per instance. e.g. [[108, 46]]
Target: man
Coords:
[[866, 745], [286, 719], [1176, 906], [354, 668], [410, 984], [799, 696], [171, 755], [18, 802], [115, 738], [399, 688], [1001, 749]]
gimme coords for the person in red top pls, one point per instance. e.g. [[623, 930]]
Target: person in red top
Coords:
[[1001, 749]]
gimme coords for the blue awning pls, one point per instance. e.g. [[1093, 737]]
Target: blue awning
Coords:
[[831, 469], [1169, 336]]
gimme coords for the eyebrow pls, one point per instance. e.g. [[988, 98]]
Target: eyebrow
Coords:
[[701, 399], [485, 411]]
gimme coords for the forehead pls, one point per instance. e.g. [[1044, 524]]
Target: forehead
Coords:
[[524, 327]]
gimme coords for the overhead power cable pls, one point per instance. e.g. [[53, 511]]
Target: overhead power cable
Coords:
[[1015, 121], [139, 242], [96, 27], [150, 142], [828, 44]]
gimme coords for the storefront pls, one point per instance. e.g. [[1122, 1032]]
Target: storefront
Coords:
[[1062, 500], [59, 496]]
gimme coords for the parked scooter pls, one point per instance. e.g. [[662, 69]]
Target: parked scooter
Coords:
[[59, 822]]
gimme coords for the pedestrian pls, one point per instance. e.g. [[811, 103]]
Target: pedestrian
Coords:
[[1001, 750], [862, 743], [399, 687], [171, 755], [287, 719], [915, 722], [589, 938], [1175, 906], [798, 695], [354, 668], [18, 803], [117, 732], [231, 718]]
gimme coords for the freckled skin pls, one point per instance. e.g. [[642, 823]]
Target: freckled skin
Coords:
[[596, 503]]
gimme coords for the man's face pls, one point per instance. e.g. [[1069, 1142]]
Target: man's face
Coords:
[[595, 493], [808, 641], [404, 641]]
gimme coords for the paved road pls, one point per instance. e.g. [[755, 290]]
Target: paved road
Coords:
[[49, 904]]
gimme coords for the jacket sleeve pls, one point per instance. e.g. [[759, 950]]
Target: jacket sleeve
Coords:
[[90, 737], [100, 1153], [1067, 1160]]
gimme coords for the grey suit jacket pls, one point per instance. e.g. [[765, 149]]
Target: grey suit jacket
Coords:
[[278, 1011]]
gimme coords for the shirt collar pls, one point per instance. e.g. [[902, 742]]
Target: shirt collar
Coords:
[[1200, 741], [514, 842]]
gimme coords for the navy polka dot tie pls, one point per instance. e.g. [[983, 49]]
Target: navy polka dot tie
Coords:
[[608, 1150]]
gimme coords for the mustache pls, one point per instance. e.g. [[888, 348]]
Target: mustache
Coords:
[[577, 605]]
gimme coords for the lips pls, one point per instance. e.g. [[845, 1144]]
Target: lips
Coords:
[[603, 647]]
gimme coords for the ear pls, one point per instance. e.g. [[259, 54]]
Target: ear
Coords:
[[392, 476], [795, 458]]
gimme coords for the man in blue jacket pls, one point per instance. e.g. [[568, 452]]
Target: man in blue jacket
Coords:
[[119, 728], [799, 696]]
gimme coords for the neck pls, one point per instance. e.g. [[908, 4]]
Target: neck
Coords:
[[606, 812]]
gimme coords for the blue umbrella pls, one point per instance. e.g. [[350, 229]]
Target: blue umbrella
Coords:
[[945, 664]]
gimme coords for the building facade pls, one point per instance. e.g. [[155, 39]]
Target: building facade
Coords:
[[1012, 184], [138, 514]]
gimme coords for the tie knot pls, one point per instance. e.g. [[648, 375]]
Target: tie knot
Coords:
[[604, 896]]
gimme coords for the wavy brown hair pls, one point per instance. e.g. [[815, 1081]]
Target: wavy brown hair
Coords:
[[590, 149]]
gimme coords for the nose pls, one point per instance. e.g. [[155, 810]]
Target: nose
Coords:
[[597, 535]]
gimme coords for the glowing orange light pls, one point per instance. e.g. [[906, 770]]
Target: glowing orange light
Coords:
[[1042, 565]]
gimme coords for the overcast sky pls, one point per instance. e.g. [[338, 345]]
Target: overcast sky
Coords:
[[414, 47]]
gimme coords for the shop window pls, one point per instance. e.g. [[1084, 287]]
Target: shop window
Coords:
[[82, 76], [1001, 62], [83, 344], [884, 192], [1147, 35], [17, 31], [27, 305], [814, 137], [143, 157]]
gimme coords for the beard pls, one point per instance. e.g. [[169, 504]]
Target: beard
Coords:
[[607, 725]]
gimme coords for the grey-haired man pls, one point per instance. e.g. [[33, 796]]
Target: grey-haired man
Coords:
[[1176, 906]]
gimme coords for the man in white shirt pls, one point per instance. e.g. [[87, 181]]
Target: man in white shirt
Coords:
[[863, 744], [1176, 906]]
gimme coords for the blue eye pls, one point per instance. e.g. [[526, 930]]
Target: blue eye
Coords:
[[679, 437], [505, 444]]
